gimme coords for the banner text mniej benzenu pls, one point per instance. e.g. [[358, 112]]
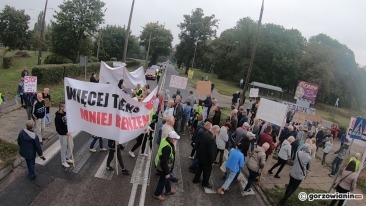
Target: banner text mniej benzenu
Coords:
[[127, 119]]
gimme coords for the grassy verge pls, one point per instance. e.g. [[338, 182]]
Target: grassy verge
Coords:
[[8, 153], [275, 195]]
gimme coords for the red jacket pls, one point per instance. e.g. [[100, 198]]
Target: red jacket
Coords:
[[264, 137]]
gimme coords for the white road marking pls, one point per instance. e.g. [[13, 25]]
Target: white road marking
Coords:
[[82, 156], [102, 172]]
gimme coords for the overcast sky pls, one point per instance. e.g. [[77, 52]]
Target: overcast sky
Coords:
[[340, 19]]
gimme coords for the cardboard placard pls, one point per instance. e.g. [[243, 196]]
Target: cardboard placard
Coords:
[[178, 82], [30, 84], [203, 87], [253, 92]]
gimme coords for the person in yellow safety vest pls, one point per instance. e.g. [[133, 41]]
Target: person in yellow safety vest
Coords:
[[2, 99], [138, 90], [164, 163], [158, 74], [357, 159]]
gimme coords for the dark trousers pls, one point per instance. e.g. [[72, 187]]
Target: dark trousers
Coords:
[[95, 140], [21, 99], [163, 183], [31, 164], [119, 157], [324, 158], [221, 151], [290, 189], [141, 139], [252, 177], [339, 189], [157, 79], [281, 163], [293, 150], [193, 149], [205, 170]]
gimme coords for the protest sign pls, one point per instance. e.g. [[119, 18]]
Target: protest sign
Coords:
[[306, 91], [30, 84], [271, 111], [299, 108], [104, 110], [253, 92], [178, 82], [190, 74], [203, 87]]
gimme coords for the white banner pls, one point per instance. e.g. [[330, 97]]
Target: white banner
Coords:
[[299, 108], [30, 84], [271, 111], [253, 92], [178, 82], [104, 110], [113, 75]]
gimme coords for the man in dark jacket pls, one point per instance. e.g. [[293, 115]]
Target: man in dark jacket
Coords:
[[320, 136], [29, 99], [39, 113], [178, 115], [206, 153], [164, 163], [29, 145]]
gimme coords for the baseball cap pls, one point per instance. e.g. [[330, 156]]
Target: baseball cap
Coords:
[[173, 135]]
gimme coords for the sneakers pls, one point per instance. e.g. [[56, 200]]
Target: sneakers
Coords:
[[69, 161], [331, 175], [270, 172], [144, 154], [125, 172], [248, 190], [103, 149], [93, 150], [109, 168], [190, 157], [131, 154], [65, 164]]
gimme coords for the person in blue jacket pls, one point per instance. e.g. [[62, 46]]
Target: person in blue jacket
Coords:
[[29, 145]]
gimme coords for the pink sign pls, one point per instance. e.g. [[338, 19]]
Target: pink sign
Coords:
[[307, 91]]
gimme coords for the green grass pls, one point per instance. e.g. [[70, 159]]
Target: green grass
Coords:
[[275, 195], [8, 153], [9, 78]]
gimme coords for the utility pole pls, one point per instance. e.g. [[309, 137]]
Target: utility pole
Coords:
[[41, 35], [253, 56], [100, 36], [194, 55], [147, 54], [128, 33]]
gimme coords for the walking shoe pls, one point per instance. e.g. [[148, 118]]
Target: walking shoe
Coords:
[[69, 161], [160, 197], [196, 181], [248, 190], [172, 192], [221, 191], [190, 157], [125, 172], [144, 154], [65, 164], [93, 150], [109, 168], [103, 149], [270, 172], [276, 176], [331, 175], [32, 178], [208, 186], [131, 154]]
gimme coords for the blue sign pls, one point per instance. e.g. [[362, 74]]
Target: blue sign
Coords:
[[359, 129]]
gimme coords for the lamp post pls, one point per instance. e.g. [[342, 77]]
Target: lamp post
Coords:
[[253, 56], [41, 35], [128, 33]]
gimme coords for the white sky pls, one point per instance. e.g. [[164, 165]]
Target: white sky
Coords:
[[340, 19]]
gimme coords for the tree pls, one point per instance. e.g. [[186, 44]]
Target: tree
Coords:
[[73, 26], [196, 29], [161, 41], [13, 27]]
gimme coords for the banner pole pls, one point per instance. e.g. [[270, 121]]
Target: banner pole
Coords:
[[115, 155]]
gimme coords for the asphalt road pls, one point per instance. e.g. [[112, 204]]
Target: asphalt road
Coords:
[[89, 184]]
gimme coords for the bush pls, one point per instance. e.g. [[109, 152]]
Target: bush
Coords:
[[22, 54], [113, 59], [8, 60], [93, 59], [57, 59]]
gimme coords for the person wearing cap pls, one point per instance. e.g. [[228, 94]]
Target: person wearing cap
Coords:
[[357, 159], [341, 154], [256, 162], [328, 148], [164, 163], [283, 155]]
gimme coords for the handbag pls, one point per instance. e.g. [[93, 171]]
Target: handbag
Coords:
[[199, 117], [335, 185]]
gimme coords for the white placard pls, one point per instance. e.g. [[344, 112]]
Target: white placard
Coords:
[[271, 111], [178, 82], [30, 84], [253, 92]]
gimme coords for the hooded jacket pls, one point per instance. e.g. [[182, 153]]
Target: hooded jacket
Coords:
[[222, 138], [257, 159], [328, 146], [285, 151], [342, 152], [39, 109], [29, 144], [61, 123], [302, 159]]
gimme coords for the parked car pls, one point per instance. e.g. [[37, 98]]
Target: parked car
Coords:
[[150, 74]]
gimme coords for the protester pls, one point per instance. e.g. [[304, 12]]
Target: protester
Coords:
[[178, 114], [256, 163], [201, 128], [249, 106], [207, 103], [341, 154], [234, 164], [191, 98], [234, 119], [141, 140], [241, 83], [164, 162], [357, 159], [29, 145], [320, 136], [158, 74], [21, 91], [221, 140], [25, 72], [328, 148], [47, 102], [347, 183], [112, 148], [168, 126], [243, 118], [246, 142], [63, 134], [216, 119], [296, 143], [177, 94], [214, 105], [241, 132], [206, 150], [198, 114], [39, 113], [29, 99], [161, 102], [283, 156], [235, 98], [266, 137], [187, 109], [169, 110], [93, 78], [166, 98], [298, 172], [95, 139]]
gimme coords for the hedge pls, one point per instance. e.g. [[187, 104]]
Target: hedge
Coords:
[[8, 60], [57, 59]]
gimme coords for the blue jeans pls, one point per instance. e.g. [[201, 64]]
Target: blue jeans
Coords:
[[31, 164], [335, 165], [252, 176], [229, 178], [163, 183], [95, 140]]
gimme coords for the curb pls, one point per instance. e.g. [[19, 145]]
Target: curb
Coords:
[[9, 109], [4, 172], [266, 200]]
